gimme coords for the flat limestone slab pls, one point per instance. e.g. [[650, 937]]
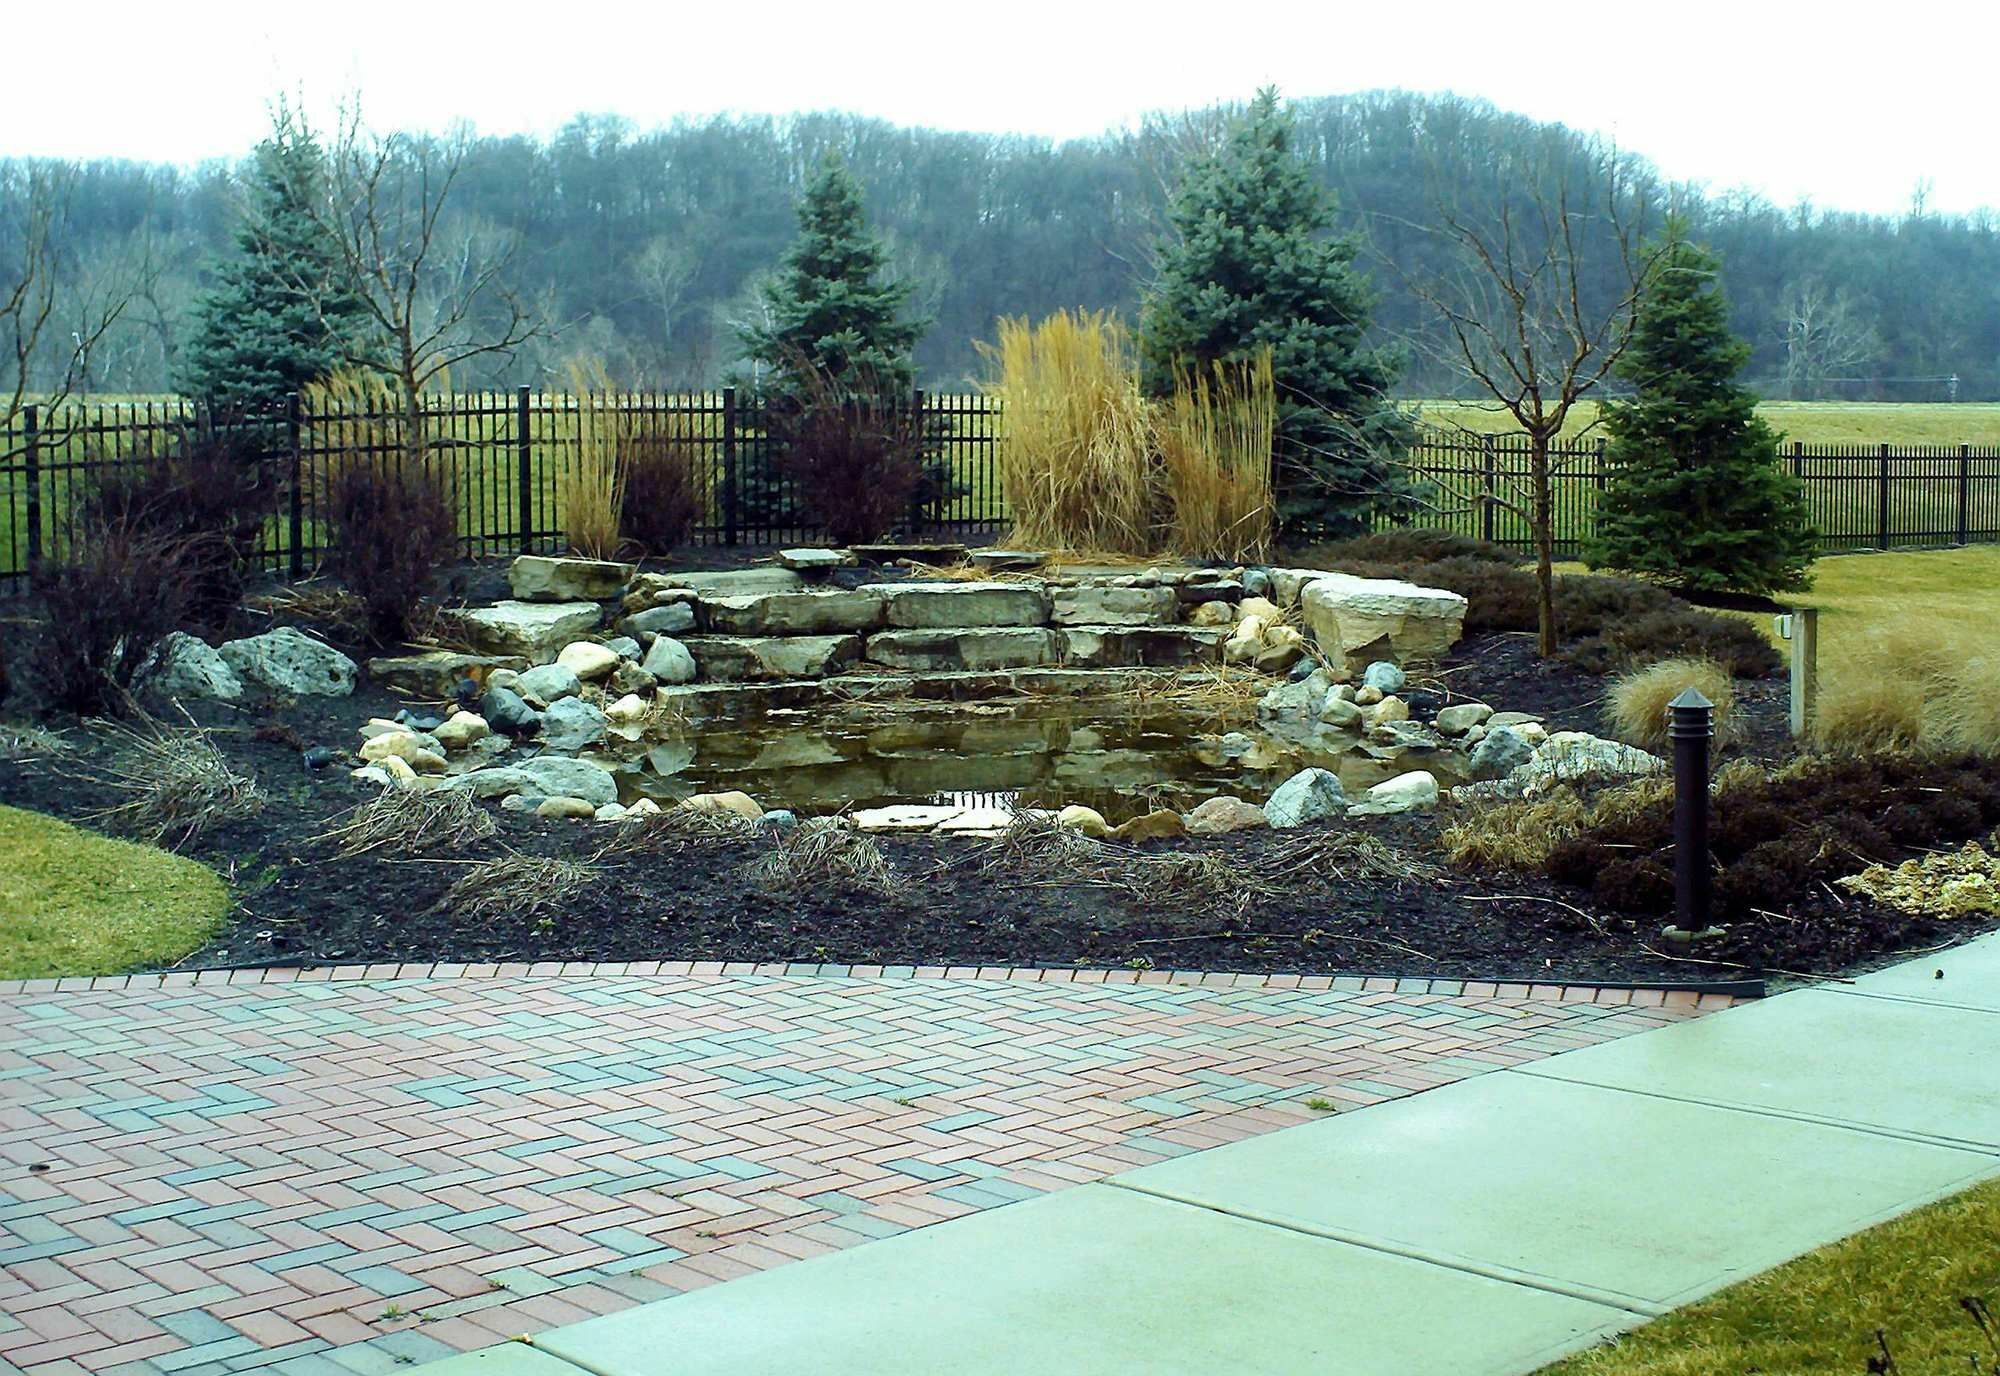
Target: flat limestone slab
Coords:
[[929, 606], [790, 613], [1970, 976], [507, 1359], [1092, 1281], [1926, 1070], [767, 658], [976, 648], [1634, 1199]]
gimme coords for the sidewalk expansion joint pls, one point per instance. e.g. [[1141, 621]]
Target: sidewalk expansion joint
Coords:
[[1917, 1000], [1526, 1280], [1927, 1139]]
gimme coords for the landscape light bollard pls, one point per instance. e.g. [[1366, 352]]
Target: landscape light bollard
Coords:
[[1691, 725]]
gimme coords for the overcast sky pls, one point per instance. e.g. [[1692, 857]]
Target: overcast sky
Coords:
[[1847, 105]]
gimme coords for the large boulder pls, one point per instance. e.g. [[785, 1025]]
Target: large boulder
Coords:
[[534, 630], [792, 613], [572, 725], [925, 606], [1377, 617], [987, 647], [739, 659], [186, 667], [542, 578], [546, 776], [436, 673], [1579, 758], [1311, 795], [287, 660], [1093, 604]]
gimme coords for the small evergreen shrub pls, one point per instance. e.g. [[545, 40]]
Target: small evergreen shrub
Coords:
[[116, 594], [208, 496], [392, 526], [1414, 545], [663, 498]]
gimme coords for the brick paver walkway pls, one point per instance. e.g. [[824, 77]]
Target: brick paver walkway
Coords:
[[329, 1175]]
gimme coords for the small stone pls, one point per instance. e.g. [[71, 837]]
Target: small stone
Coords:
[[1337, 712], [1461, 717], [1257, 582], [645, 807], [318, 757], [506, 712], [399, 771], [1153, 826], [1298, 698], [588, 660], [404, 745], [1086, 820], [1473, 737], [1387, 710], [1385, 677], [1305, 668], [1368, 695], [503, 678], [1513, 718], [1533, 732], [1224, 814], [626, 710], [520, 802], [572, 725], [611, 812], [373, 774], [1212, 614], [631, 678], [669, 661], [779, 819], [1241, 649], [1405, 793], [1311, 795], [1234, 745], [740, 803], [382, 726], [670, 619], [625, 647], [565, 808], [1265, 610], [1280, 657], [547, 684], [461, 729], [1007, 560]]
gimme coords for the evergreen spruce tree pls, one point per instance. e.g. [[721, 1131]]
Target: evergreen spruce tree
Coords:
[[261, 334], [1696, 496], [832, 308], [834, 331], [1254, 264]]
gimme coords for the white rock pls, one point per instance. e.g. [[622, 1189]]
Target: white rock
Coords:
[[736, 801], [587, 659], [1311, 795], [461, 729], [612, 812], [1577, 757], [1460, 718], [565, 808], [645, 807], [408, 746], [372, 774], [1212, 614], [287, 660], [397, 770], [186, 667], [669, 661], [546, 684], [1348, 614], [1087, 820], [1388, 710], [534, 629], [1410, 792], [905, 817], [380, 726], [1224, 814], [628, 709]]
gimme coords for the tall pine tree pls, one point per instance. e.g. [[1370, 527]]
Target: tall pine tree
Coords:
[[1254, 263], [277, 318], [832, 308], [1696, 496]]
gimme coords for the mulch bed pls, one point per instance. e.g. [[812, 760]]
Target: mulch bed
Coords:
[[300, 903]]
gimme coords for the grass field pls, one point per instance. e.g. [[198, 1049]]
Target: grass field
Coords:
[[1818, 1315], [1810, 422], [82, 904]]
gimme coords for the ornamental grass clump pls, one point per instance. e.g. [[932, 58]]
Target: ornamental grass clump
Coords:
[[1919, 684], [174, 782], [1636, 708], [591, 491], [1215, 434]]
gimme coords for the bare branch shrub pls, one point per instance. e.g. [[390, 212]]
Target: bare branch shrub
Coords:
[[176, 783]]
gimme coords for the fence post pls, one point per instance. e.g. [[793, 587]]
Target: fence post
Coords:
[[1882, 496], [1489, 477], [524, 458], [296, 526], [1964, 494], [1602, 446], [729, 496], [917, 492], [31, 423]]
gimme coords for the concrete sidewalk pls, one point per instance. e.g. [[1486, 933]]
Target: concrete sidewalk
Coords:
[[1484, 1227]]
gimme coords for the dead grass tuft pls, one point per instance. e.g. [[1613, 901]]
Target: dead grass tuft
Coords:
[[1344, 855], [176, 784], [1922, 683], [412, 823], [22, 741], [1635, 710], [1189, 882], [1214, 436], [674, 830], [517, 887], [823, 851], [1520, 837]]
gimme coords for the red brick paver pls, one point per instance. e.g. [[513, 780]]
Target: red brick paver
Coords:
[[226, 1174]]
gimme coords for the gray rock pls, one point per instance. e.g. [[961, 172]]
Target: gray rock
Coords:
[[1311, 795], [1299, 698], [1135, 647], [435, 673], [730, 583], [980, 648], [1235, 745], [669, 661], [632, 678], [1304, 669], [1462, 717], [743, 659], [546, 776], [1577, 757], [186, 667], [534, 630], [791, 613], [547, 684], [926, 606], [542, 578], [1337, 711], [1093, 605], [287, 660], [1384, 677], [1410, 792], [1007, 560], [779, 819], [508, 713], [673, 618], [1502, 752], [572, 724], [624, 646], [1256, 583], [812, 560]]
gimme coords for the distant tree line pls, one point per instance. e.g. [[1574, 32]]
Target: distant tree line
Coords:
[[652, 249]]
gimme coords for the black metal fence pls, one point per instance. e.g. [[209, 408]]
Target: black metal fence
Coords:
[[510, 455]]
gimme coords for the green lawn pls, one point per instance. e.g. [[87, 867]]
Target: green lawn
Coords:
[[77, 903], [1818, 1315], [1812, 422]]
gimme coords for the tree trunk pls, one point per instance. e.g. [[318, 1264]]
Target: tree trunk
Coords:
[[1544, 530]]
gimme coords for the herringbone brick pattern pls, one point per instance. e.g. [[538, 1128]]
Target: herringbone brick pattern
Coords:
[[325, 1177]]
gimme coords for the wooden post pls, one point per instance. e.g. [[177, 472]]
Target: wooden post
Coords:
[[1805, 669]]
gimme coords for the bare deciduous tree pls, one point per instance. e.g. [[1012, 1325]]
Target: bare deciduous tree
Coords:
[[1825, 338], [1536, 287]]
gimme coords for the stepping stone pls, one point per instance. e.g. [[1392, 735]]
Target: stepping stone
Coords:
[[1007, 560], [943, 605], [812, 560], [747, 658], [978, 648], [542, 578], [1091, 1281], [792, 613]]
